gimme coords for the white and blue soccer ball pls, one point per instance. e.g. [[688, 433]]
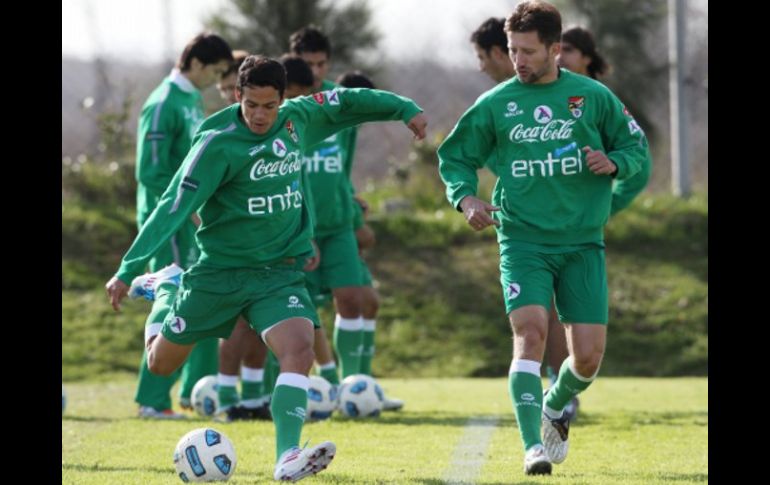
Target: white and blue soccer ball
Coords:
[[360, 396], [63, 398], [204, 455], [321, 399], [204, 396]]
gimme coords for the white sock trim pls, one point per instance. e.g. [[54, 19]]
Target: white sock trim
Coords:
[[327, 366], [571, 363], [369, 325], [225, 380], [151, 330], [293, 380], [349, 324], [252, 375], [526, 366], [552, 413]]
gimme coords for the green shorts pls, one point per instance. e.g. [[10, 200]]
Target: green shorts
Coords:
[[366, 275], [209, 301], [340, 265], [578, 278], [324, 296]]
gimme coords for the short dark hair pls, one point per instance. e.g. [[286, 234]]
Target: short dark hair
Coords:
[[491, 33], [238, 57], [538, 16], [262, 71], [297, 70], [354, 79], [310, 39], [208, 48], [583, 41]]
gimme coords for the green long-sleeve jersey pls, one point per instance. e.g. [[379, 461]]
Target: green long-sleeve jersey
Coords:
[[167, 124], [535, 134], [249, 187], [625, 191], [329, 182]]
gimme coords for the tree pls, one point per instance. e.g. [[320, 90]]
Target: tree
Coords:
[[631, 34], [264, 27]]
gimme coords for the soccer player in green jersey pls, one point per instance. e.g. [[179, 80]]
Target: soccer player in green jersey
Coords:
[[339, 268], [167, 123], [244, 177], [580, 55], [244, 351], [365, 239], [491, 46], [559, 140]]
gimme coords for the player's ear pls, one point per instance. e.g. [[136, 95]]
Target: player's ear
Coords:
[[556, 49]]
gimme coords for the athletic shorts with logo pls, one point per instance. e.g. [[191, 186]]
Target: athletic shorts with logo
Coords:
[[209, 301], [340, 263], [530, 275]]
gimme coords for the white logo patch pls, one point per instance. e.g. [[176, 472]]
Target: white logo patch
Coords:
[[333, 96], [178, 325], [634, 127], [513, 109], [294, 302], [279, 147], [256, 149], [543, 114], [527, 397], [298, 412], [513, 291]]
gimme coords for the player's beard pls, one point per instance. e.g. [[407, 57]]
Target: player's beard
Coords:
[[534, 77]]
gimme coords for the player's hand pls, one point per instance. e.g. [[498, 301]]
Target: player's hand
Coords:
[[418, 124], [477, 212], [116, 291], [313, 261], [364, 205], [598, 162]]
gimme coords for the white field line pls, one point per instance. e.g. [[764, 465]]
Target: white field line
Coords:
[[471, 451]]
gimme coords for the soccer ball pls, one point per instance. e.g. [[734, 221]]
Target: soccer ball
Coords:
[[204, 396], [360, 396], [63, 398], [321, 399], [204, 455]]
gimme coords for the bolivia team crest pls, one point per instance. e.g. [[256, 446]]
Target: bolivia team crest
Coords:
[[576, 104], [292, 133]]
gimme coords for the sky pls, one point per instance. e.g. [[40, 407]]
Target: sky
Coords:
[[134, 29]]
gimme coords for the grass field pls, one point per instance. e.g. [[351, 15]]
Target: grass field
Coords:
[[630, 430]]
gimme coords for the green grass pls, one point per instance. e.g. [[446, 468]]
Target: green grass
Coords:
[[636, 431], [442, 312]]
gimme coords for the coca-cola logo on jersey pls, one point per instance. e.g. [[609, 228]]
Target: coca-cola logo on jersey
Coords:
[[553, 130], [267, 169]]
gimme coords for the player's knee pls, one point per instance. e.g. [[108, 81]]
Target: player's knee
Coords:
[[157, 366], [587, 365], [370, 307], [299, 360], [532, 332]]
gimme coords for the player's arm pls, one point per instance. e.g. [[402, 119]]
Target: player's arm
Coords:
[[328, 112], [196, 180]]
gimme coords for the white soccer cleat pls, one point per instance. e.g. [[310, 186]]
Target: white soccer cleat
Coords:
[[152, 413], [145, 285], [297, 463], [555, 437], [536, 461], [392, 404]]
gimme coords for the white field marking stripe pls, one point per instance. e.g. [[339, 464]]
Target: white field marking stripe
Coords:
[[471, 450]]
